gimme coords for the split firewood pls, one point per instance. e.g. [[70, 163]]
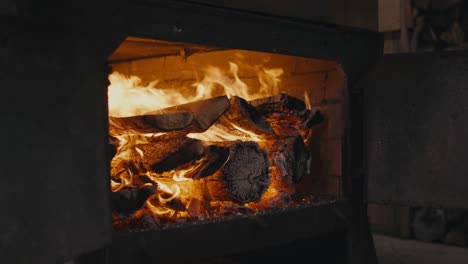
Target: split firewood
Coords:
[[281, 103], [244, 177], [158, 155], [128, 200], [290, 159], [287, 115], [215, 157], [244, 115], [191, 117], [165, 155], [150, 123], [205, 112]]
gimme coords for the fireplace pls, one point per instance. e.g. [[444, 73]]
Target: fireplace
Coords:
[[204, 132], [312, 192], [212, 139]]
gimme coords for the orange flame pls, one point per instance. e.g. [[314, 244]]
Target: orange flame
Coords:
[[128, 96]]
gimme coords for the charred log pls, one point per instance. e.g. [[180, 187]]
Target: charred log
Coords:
[[244, 177], [290, 158], [165, 155], [205, 112], [312, 118], [281, 103], [150, 123], [244, 115], [215, 157], [128, 200], [287, 115], [158, 155]]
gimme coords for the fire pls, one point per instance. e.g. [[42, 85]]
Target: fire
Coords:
[[128, 96], [178, 195]]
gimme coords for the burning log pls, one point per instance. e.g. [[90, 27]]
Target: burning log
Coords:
[[205, 112], [290, 158], [244, 177], [287, 115], [167, 154], [150, 123], [158, 155], [191, 117], [128, 200], [244, 115], [215, 158], [281, 103]]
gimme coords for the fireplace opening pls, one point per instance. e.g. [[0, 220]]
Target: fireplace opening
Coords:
[[203, 134]]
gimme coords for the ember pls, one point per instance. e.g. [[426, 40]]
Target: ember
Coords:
[[192, 156]]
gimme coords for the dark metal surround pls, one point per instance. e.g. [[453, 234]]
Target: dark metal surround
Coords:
[[55, 189], [417, 124], [227, 237]]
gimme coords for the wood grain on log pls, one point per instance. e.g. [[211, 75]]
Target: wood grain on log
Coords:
[[205, 112], [244, 177], [150, 123], [244, 115], [158, 155], [290, 158], [166, 155]]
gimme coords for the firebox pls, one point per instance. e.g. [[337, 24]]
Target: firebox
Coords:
[[201, 133]]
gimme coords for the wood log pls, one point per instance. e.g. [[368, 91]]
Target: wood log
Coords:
[[215, 157], [281, 103], [205, 112], [290, 159], [187, 118], [244, 177], [287, 115], [244, 115], [128, 200], [312, 118], [150, 123], [157, 155], [163, 155]]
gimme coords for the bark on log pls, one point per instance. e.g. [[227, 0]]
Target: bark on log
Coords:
[[244, 115], [158, 155], [244, 177], [150, 123], [290, 158], [281, 103], [205, 112], [287, 115], [128, 200], [166, 155]]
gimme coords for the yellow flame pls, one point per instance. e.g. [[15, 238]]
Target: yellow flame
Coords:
[[219, 133], [307, 100], [158, 210], [128, 96], [173, 190]]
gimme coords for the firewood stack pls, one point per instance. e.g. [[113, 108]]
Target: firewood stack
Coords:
[[158, 143]]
